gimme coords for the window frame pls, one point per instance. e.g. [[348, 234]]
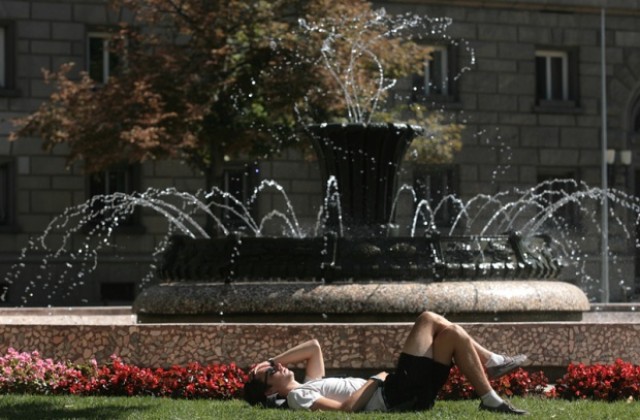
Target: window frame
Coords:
[[570, 79], [106, 36], [453, 186], [133, 174], [11, 193], [8, 60], [249, 183], [444, 71], [420, 83], [571, 212], [548, 55]]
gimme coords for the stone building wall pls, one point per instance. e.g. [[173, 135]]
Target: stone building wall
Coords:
[[508, 141]]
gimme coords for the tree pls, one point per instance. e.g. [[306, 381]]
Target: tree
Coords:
[[199, 80]]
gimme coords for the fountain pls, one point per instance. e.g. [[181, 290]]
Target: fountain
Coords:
[[354, 270]]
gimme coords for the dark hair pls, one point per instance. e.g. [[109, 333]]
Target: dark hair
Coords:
[[254, 394]]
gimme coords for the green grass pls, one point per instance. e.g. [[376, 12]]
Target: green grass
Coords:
[[23, 407]]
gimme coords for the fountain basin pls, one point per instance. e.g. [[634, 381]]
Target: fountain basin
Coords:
[[270, 302], [432, 258]]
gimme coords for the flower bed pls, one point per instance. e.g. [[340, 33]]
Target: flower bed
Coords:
[[30, 373]]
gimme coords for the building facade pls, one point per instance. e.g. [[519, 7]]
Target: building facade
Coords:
[[524, 77]]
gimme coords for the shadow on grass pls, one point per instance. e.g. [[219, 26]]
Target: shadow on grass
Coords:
[[42, 410]]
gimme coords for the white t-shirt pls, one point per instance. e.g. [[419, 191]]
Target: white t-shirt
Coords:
[[338, 389]]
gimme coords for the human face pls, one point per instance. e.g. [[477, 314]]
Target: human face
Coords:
[[267, 373], [275, 377]]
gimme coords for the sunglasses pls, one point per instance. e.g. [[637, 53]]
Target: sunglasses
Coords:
[[270, 371]]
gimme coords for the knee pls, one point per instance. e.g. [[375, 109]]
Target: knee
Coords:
[[430, 318], [426, 317], [451, 333]]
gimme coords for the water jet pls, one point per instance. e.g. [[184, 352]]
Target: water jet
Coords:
[[355, 271]]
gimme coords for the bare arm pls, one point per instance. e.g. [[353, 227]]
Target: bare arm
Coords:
[[308, 353], [356, 402]]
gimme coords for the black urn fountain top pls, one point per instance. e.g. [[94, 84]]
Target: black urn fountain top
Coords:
[[364, 160]]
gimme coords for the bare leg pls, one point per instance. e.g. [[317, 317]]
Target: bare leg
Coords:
[[426, 327], [420, 339], [454, 342], [483, 353], [434, 336]]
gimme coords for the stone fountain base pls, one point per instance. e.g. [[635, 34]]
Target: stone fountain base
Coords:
[[462, 301]]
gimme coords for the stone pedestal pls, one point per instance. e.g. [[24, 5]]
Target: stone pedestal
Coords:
[[267, 302]]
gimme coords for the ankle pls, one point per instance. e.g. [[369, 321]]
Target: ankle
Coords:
[[494, 360], [491, 399]]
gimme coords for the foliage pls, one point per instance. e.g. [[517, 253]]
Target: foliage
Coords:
[[30, 373], [363, 51], [517, 383], [619, 381], [210, 79], [192, 381], [199, 80], [440, 141]]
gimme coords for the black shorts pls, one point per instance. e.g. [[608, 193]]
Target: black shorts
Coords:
[[415, 384]]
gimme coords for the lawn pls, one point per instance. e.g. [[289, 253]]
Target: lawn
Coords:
[[25, 407]]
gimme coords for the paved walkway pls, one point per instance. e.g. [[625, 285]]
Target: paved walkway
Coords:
[[115, 315]]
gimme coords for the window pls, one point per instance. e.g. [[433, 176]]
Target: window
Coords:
[[556, 78], [7, 60], [239, 181], [434, 185], [119, 179], [117, 293], [6, 192], [436, 72], [5, 298], [3, 56], [101, 61], [637, 225], [554, 187], [436, 83], [552, 72]]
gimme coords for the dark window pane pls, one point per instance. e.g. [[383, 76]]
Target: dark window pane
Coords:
[[541, 77], [5, 197], [239, 183], [96, 59], [433, 186], [117, 292], [3, 57], [436, 78], [114, 61], [556, 79], [117, 180], [558, 187]]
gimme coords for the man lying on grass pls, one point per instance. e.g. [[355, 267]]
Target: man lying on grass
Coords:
[[433, 345]]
